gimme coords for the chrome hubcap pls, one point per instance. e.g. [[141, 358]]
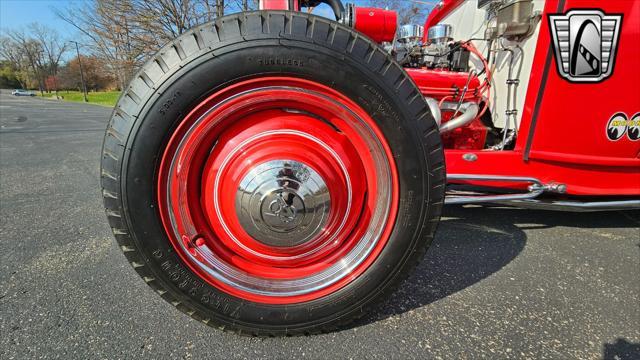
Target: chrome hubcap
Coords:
[[283, 203], [278, 190]]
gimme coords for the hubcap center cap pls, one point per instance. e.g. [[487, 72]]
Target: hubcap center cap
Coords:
[[280, 210], [283, 203]]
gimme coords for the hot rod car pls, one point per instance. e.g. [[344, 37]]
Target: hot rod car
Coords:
[[279, 173]]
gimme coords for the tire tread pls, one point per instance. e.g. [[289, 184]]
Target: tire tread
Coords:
[[199, 42]]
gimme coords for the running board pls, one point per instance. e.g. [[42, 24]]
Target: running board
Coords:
[[574, 206], [528, 199], [535, 189]]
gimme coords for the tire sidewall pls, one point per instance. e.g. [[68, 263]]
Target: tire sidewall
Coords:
[[264, 57]]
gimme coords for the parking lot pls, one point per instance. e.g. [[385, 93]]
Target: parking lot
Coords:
[[497, 283]]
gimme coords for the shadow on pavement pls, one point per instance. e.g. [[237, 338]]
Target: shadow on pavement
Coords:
[[473, 243], [621, 350]]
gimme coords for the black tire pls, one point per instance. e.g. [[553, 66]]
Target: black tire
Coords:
[[216, 54]]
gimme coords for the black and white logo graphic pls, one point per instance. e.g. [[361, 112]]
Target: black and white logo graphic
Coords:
[[619, 125], [585, 43], [633, 130]]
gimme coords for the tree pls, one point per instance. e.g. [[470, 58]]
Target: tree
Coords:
[[31, 55], [124, 33], [220, 8], [53, 49], [34, 55], [9, 78], [96, 78], [243, 5], [107, 27], [160, 21], [15, 61]]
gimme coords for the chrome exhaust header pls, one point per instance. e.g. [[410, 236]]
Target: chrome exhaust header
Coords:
[[467, 110]]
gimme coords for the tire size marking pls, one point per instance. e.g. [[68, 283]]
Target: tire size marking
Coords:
[[167, 104], [379, 105], [183, 279], [406, 204], [281, 61]]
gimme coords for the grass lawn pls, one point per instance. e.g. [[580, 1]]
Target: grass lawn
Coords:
[[105, 98]]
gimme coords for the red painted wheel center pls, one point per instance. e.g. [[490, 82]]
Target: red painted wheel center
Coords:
[[278, 190]]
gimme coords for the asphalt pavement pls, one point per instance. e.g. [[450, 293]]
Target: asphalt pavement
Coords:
[[497, 283]]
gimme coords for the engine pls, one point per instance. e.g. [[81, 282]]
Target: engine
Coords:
[[440, 51], [455, 78], [440, 67]]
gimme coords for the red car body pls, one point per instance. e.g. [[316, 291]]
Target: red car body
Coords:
[[561, 138]]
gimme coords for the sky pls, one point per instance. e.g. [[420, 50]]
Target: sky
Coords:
[[20, 13]]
